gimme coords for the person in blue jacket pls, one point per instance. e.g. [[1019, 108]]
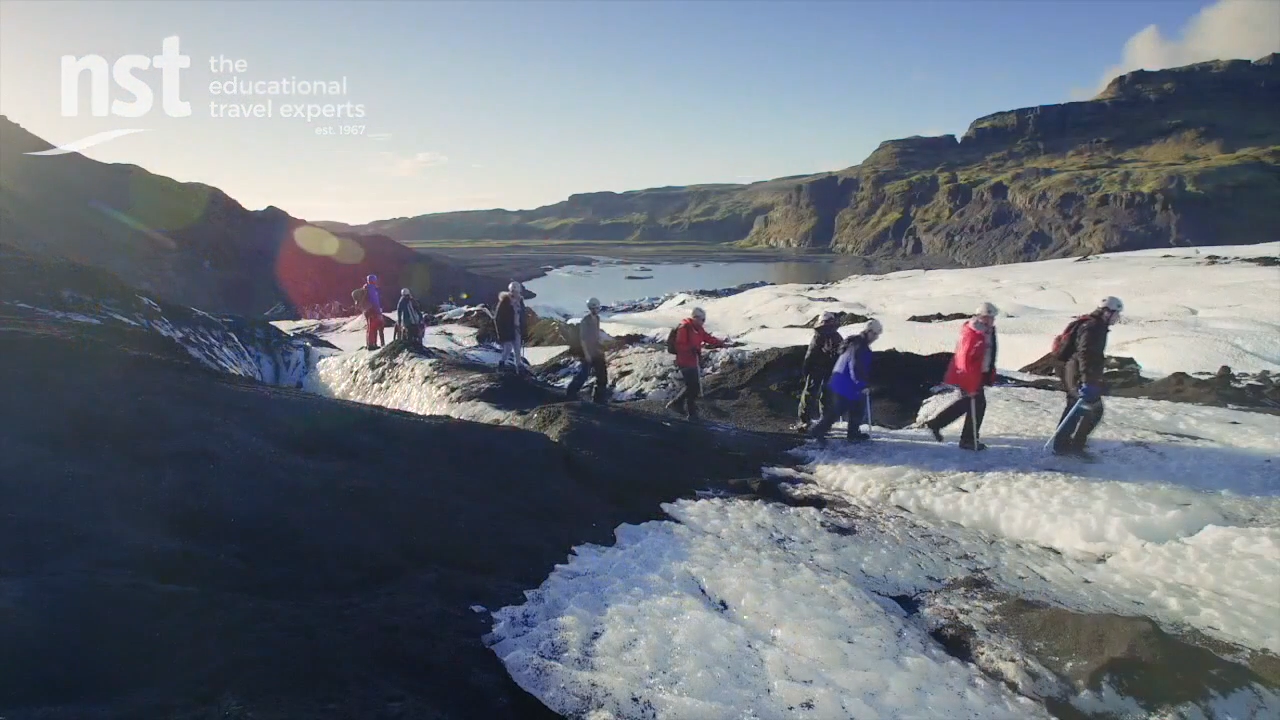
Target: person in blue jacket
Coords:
[[849, 380]]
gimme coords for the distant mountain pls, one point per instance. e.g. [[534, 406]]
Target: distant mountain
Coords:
[[1188, 156], [191, 243]]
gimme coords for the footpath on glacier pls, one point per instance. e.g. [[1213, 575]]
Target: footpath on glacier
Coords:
[[203, 540]]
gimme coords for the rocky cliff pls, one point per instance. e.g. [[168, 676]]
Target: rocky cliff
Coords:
[[1187, 156], [191, 243]]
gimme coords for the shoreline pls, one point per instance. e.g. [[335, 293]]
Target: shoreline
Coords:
[[525, 261]]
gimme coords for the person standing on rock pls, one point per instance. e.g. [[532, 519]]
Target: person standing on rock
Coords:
[[819, 359], [1082, 378], [593, 359], [508, 318], [690, 336], [374, 329], [409, 318], [850, 379], [972, 369]]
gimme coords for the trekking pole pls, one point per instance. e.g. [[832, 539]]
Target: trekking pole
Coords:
[[1065, 419], [973, 415], [867, 397]]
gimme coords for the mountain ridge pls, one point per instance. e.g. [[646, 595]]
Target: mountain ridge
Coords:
[[1158, 158], [193, 244]]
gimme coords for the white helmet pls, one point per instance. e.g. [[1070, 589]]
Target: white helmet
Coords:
[[593, 304], [986, 309], [698, 314], [1111, 303], [404, 292], [827, 318], [873, 328]]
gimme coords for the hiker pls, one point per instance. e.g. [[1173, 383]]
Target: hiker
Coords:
[[972, 369], [369, 303], [849, 382], [1086, 343], [409, 318], [508, 318], [593, 360], [819, 359], [689, 337]]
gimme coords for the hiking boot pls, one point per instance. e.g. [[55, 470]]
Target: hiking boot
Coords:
[[859, 437], [801, 427], [972, 446]]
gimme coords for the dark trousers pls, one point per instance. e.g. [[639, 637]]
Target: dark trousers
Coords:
[[1075, 433], [973, 409], [600, 369], [815, 398], [851, 409], [688, 397]]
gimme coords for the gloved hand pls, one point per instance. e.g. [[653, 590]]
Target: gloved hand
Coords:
[[860, 388], [1090, 393]]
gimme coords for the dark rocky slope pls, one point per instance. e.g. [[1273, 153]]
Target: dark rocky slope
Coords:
[[183, 543], [1187, 156], [192, 244]]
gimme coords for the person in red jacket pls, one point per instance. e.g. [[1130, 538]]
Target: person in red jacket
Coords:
[[972, 369], [690, 337]]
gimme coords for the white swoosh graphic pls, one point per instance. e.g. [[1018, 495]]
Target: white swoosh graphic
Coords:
[[88, 142]]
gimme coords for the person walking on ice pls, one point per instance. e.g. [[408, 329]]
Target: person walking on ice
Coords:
[[593, 359], [1083, 346], [819, 359], [508, 318], [972, 369], [850, 379], [686, 341]]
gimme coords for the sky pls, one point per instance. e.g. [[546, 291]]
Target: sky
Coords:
[[520, 104]]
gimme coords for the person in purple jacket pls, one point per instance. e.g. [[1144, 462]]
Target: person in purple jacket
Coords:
[[849, 380], [375, 333]]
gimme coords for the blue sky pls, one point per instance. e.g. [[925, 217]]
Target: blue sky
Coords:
[[515, 105]]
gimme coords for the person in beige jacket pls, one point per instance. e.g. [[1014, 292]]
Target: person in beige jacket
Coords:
[[593, 360]]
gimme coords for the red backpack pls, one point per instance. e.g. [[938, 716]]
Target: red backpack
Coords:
[[1064, 346]]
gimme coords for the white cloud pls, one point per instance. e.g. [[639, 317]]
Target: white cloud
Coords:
[[411, 165], [1225, 30]]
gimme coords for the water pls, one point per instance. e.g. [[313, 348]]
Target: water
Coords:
[[569, 287]]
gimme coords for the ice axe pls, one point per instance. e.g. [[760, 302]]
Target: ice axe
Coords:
[[1075, 410]]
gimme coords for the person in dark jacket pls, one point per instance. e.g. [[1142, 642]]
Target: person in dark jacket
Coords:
[[593, 360], [819, 359], [690, 337], [1082, 378], [850, 379], [409, 317], [972, 369], [507, 321]]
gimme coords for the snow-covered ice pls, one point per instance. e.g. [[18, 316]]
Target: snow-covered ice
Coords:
[[745, 609], [1180, 315]]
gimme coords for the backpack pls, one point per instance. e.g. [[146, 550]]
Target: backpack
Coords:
[[572, 335], [671, 340], [1064, 345], [360, 296], [413, 314]]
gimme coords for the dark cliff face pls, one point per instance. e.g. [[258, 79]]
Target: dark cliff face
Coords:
[[1187, 156], [191, 243]]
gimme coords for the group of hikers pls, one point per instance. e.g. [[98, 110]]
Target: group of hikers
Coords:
[[411, 321], [836, 369], [837, 372]]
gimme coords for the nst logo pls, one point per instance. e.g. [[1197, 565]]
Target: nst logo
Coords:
[[169, 62]]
